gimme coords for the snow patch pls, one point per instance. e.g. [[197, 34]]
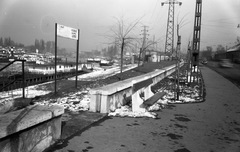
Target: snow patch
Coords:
[[126, 111]]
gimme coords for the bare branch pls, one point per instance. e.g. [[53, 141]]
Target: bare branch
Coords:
[[130, 28]]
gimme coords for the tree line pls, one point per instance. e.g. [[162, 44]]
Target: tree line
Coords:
[[48, 47], [39, 44], [7, 41], [209, 52]]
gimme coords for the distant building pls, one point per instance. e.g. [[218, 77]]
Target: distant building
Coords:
[[155, 56], [61, 67]]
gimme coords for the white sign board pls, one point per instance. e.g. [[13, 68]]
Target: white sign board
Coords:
[[67, 32]]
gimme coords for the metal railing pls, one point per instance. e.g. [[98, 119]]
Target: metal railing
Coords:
[[23, 75]]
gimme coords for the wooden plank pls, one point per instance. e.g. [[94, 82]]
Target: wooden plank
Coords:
[[142, 84], [154, 98]]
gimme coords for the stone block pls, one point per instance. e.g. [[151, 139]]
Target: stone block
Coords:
[[95, 102], [22, 119], [137, 103], [33, 139], [148, 92], [105, 104]]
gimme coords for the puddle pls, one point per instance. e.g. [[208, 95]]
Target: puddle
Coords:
[[238, 129], [154, 133], [174, 136], [182, 150], [179, 115], [135, 124], [88, 148], [229, 139], [182, 119], [180, 126]]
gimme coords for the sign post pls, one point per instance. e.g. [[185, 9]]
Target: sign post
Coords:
[[77, 59], [70, 33]]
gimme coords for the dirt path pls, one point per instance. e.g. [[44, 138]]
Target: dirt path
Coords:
[[211, 126]]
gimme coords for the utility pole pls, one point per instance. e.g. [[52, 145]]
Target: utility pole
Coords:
[[196, 41], [122, 47], [189, 61], [238, 38], [155, 47], [142, 50], [169, 44]]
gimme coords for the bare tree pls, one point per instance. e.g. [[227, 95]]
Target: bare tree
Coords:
[[122, 34], [145, 46]]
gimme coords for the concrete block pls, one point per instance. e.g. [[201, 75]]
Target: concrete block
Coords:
[[105, 104], [33, 139], [95, 102], [25, 118], [148, 92], [43, 144], [137, 103]]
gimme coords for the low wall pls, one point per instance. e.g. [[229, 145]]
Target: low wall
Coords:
[[31, 129], [110, 97]]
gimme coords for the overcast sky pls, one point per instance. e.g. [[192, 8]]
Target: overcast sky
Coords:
[[27, 20]]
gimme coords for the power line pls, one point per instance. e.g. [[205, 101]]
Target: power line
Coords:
[[224, 19], [154, 9]]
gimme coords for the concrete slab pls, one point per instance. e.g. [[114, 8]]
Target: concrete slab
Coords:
[[24, 118]]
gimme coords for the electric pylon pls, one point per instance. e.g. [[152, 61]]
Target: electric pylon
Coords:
[[169, 44], [196, 40], [144, 36], [142, 50]]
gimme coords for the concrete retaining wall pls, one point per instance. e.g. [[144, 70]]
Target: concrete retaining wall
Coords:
[[31, 129], [110, 97]]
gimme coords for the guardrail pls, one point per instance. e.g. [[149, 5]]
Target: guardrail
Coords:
[[110, 97]]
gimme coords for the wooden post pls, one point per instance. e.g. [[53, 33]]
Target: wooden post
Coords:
[[122, 47], [23, 79]]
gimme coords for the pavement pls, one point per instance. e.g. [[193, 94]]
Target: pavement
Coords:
[[209, 126]]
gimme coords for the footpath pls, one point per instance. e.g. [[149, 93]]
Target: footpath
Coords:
[[210, 126]]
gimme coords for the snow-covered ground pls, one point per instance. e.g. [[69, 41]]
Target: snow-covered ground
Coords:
[[30, 92], [80, 101], [102, 73], [73, 101]]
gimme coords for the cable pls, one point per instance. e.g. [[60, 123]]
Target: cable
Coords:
[[154, 9], [217, 26], [224, 19]]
